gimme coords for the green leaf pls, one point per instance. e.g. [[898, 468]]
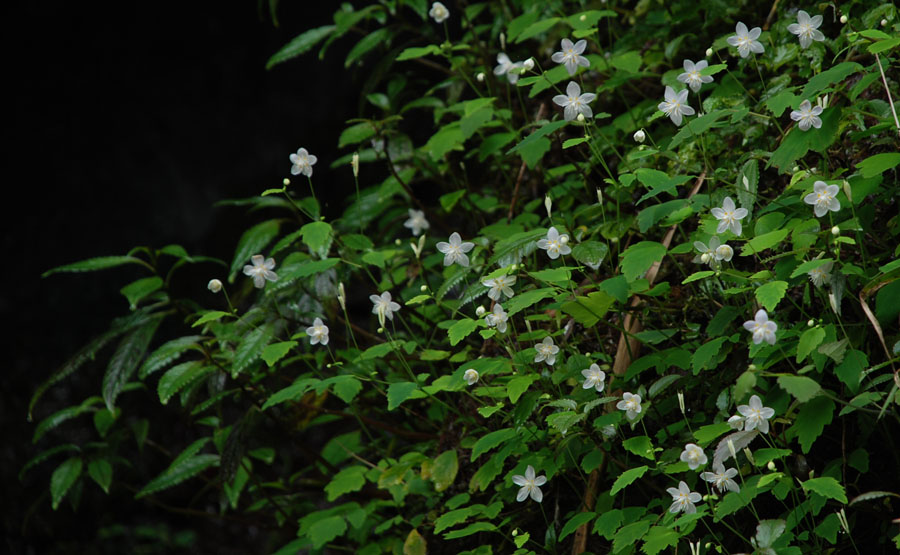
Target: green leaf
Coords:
[[706, 434], [444, 470], [399, 392], [764, 241], [627, 478], [629, 535], [101, 472], [640, 446], [347, 480], [882, 46], [878, 164], [291, 392], [449, 200], [590, 252], [137, 290], [574, 523], [414, 544], [809, 340], [252, 242], [588, 310], [325, 530], [452, 518], [308, 268], [706, 354], [317, 236], [346, 387], [473, 528], [125, 360], [811, 421], [638, 258], [569, 143], [797, 142], [659, 538], [831, 75], [417, 52], [94, 264], [490, 441], [801, 387], [168, 352], [250, 348], [356, 134], [536, 28], [695, 127], [850, 370], [58, 417], [63, 479], [519, 385], [533, 147], [187, 465], [461, 329], [277, 351], [180, 376], [299, 45], [209, 316], [698, 276], [367, 43], [770, 294], [524, 300], [827, 487], [806, 267]]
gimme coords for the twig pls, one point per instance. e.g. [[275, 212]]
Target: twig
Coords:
[[770, 16], [888, 91]]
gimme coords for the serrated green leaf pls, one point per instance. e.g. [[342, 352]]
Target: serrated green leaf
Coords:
[[300, 44], [809, 340], [705, 434], [801, 387], [101, 472], [850, 370], [574, 523], [811, 421], [356, 134], [706, 354], [629, 534], [325, 530], [58, 417], [444, 470], [250, 348], [627, 478], [831, 75], [252, 242], [63, 479], [317, 236], [659, 538], [588, 310], [590, 252], [94, 264], [640, 446], [878, 164], [168, 352], [770, 294], [797, 143], [695, 127], [347, 480], [367, 43], [827, 487], [346, 387], [137, 290], [276, 351], [180, 376], [638, 258], [524, 300], [452, 518], [491, 440], [125, 360], [473, 528], [698, 276], [764, 241], [461, 329], [810, 265], [519, 385], [399, 392], [187, 465]]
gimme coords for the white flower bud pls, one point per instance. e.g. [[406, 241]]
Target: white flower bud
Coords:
[[771, 466], [599, 195], [582, 18], [705, 258], [285, 182], [749, 455], [580, 118], [564, 239], [423, 288], [752, 368], [214, 285], [810, 322], [471, 376], [614, 240], [681, 402], [480, 77], [835, 231], [796, 169], [884, 22], [342, 296], [528, 64], [847, 191], [709, 52], [843, 19], [380, 330], [354, 163], [548, 204], [479, 311], [731, 449], [640, 136], [398, 242], [502, 41]]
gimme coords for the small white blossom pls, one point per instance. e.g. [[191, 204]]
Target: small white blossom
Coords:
[[455, 250], [318, 332], [756, 415], [575, 103], [714, 253], [302, 162], [736, 422], [631, 404], [507, 67], [639, 136], [844, 19], [546, 351], [439, 12], [479, 311], [821, 274], [594, 377], [555, 244], [497, 318], [608, 431], [675, 105], [261, 270], [807, 28], [763, 329], [683, 499], [501, 285], [528, 64], [823, 198], [729, 216], [471, 376], [745, 40], [571, 55], [693, 455], [530, 485], [354, 164], [807, 116], [384, 307], [416, 222], [214, 285], [724, 252], [721, 478], [691, 75]]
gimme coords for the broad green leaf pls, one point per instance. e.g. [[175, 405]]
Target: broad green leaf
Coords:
[[187, 465], [277, 351], [695, 127], [828, 77], [536, 28], [519, 385], [356, 134], [325, 530], [414, 544], [801, 387], [399, 392], [367, 43], [490, 441], [809, 340], [827, 487], [347, 480], [94, 264], [250, 348], [317, 236], [307, 268], [764, 241], [210, 316], [252, 242], [608, 522], [850, 370], [770, 294], [417, 52], [346, 387], [588, 310], [300, 44], [590, 252], [533, 147], [444, 470], [60, 416], [574, 523], [168, 352], [706, 434], [638, 258], [452, 518], [797, 143], [63, 479], [511, 249], [627, 478], [762, 456], [806, 267], [180, 376], [629, 534], [878, 164], [659, 538], [524, 300], [811, 421], [703, 274], [447, 138], [137, 290], [101, 472], [47, 454], [473, 528], [461, 329], [449, 200], [706, 354], [291, 392], [125, 360], [640, 446]]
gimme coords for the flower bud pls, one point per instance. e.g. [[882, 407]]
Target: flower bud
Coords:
[[528, 64], [354, 163], [771, 466], [423, 288], [380, 330], [709, 52], [847, 191], [564, 239], [580, 118], [582, 18], [471, 376], [884, 22], [599, 195], [214, 285], [502, 41], [705, 258], [843, 19], [731, 449], [835, 231], [681, 402], [752, 368], [639, 136], [479, 311], [285, 182], [613, 239], [342, 296], [548, 204], [810, 322], [480, 77]]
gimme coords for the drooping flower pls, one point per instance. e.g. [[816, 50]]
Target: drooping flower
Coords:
[[455, 250], [302, 162], [546, 351], [261, 270], [594, 377], [497, 318], [821, 274], [807, 116], [683, 499], [745, 41], [691, 75], [439, 12], [807, 28], [631, 404], [693, 455], [502, 284], [416, 222], [756, 416], [823, 198], [736, 422], [555, 243], [574, 103], [714, 253], [507, 67], [571, 55], [318, 332], [721, 479], [763, 329], [675, 105], [729, 216], [214, 285], [530, 485], [383, 306], [471, 376]]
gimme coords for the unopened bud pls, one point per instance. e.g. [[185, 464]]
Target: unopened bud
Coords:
[[640, 136], [214, 285], [810, 322], [884, 22], [613, 239], [752, 368], [342, 296], [709, 52], [528, 64], [843, 19], [479, 311], [749, 455], [548, 204], [582, 18], [705, 258], [564, 239], [731, 449], [285, 182], [502, 41], [516, 531], [847, 192], [599, 195], [380, 330], [423, 288], [480, 77], [771, 466], [835, 231], [354, 163], [681, 402], [398, 242]]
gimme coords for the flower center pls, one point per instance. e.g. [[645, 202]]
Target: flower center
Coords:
[[694, 75]]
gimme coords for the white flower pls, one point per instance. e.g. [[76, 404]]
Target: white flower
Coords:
[[736, 422], [721, 478], [302, 163], [354, 164], [439, 12], [261, 270], [756, 415], [546, 351], [455, 250], [594, 377], [502, 284], [724, 252], [555, 244], [729, 216], [714, 253], [683, 499], [693, 455], [691, 75], [497, 318], [574, 103], [807, 116], [639, 136], [571, 55], [471, 376], [505, 65], [675, 105], [807, 28], [318, 332], [530, 485], [416, 222], [823, 198], [384, 307], [608, 431], [631, 404], [821, 274], [214, 285], [763, 329], [745, 41]]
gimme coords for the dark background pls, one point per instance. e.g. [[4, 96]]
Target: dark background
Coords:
[[129, 121]]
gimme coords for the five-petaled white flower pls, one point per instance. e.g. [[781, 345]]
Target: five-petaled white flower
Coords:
[[318, 332], [502, 284], [594, 377], [807, 116], [675, 105], [756, 415], [763, 329], [439, 12], [729, 216], [571, 55], [693, 455], [631, 404], [745, 40], [302, 163], [530, 485], [261, 270], [721, 478], [555, 244], [807, 28], [821, 274], [455, 250], [691, 75], [471, 376], [384, 307], [416, 222], [546, 351], [506, 66], [683, 499], [574, 103], [497, 318], [714, 253], [823, 198]]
